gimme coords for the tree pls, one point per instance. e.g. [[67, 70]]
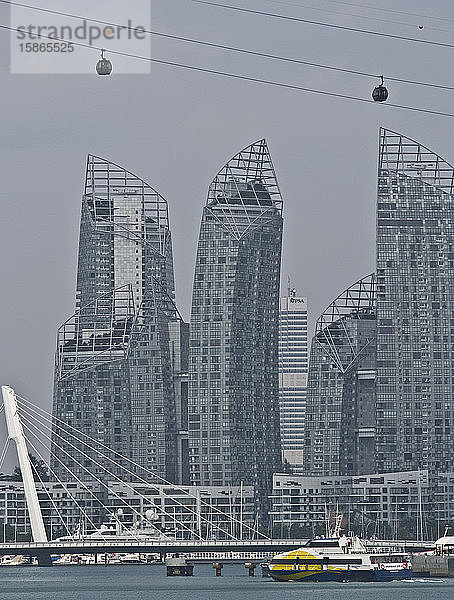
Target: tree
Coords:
[[39, 468], [287, 467]]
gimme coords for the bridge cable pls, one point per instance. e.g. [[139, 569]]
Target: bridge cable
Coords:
[[81, 482], [92, 475], [72, 475], [35, 470], [113, 475], [82, 511], [97, 479], [4, 452], [165, 481], [108, 472]]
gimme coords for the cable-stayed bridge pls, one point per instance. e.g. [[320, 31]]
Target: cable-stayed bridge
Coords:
[[101, 483]]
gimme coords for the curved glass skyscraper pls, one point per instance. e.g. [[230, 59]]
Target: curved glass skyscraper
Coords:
[[114, 378], [415, 307], [409, 424], [233, 387], [340, 410]]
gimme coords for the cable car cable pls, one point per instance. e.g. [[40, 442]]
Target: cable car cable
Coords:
[[390, 10], [236, 49], [356, 16], [322, 24], [246, 77]]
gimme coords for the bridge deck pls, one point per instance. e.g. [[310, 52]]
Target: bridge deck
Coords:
[[176, 546], [158, 547]]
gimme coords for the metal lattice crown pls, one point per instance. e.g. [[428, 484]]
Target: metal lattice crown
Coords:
[[108, 184], [245, 191], [358, 301], [404, 155]]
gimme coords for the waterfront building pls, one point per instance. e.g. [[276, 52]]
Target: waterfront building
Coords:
[[211, 512], [340, 412], [387, 505], [234, 386], [114, 372], [293, 363]]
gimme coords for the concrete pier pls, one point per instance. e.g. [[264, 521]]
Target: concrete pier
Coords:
[[431, 565]]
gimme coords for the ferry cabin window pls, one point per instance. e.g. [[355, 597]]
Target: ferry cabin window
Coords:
[[387, 559], [322, 544]]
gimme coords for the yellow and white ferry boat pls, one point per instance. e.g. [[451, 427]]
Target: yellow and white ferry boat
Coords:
[[343, 558]]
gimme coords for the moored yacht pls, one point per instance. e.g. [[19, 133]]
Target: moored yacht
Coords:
[[143, 529]]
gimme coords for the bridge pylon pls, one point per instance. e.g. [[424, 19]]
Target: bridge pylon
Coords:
[[16, 433]]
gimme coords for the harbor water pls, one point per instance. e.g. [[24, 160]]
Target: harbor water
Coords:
[[149, 582]]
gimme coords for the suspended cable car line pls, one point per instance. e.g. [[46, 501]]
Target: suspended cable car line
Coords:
[[323, 24], [93, 20], [356, 16], [250, 78], [390, 10], [230, 49]]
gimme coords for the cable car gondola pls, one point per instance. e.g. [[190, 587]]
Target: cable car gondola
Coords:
[[380, 93], [103, 66]]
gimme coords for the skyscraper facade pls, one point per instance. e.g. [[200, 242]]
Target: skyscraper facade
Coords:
[[293, 362], [415, 307], [340, 412], [114, 376], [233, 387], [398, 392]]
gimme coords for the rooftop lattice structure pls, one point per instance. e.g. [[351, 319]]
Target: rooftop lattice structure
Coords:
[[96, 334], [245, 190], [107, 185], [404, 155], [356, 302]]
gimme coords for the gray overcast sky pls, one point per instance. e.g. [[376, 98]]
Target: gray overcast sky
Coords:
[[177, 128]]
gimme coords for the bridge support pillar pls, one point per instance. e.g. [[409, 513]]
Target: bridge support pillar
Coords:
[[16, 433], [44, 559]]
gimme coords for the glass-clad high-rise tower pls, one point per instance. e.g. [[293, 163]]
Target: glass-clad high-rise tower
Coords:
[[114, 378], [340, 411], [233, 388], [415, 307], [401, 385], [293, 362]]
